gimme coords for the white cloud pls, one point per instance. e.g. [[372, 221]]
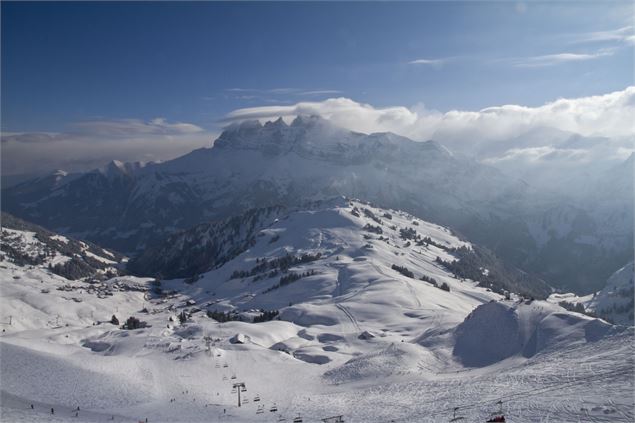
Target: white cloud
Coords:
[[433, 62], [502, 135], [607, 115], [261, 93], [128, 127], [91, 144], [559, 58], [624, 34]]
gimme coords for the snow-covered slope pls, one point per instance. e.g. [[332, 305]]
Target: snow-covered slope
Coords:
[[614, 302], [347, 327], [26, 244]]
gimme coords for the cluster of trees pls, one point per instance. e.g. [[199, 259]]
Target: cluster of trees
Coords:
[[431, 281], [290, 278], [223, 317], [577, 307], [625, 308], [374, 229], [266, 315], [192, 279], [271, 274], [20, 258], [403, 270], [73, 269], [500, 278], [280, 263], [81, 264], [408, 233], [429, 241], [368, 213], [134, 323]]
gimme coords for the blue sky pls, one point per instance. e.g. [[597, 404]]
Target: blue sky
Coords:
[[70, 63]]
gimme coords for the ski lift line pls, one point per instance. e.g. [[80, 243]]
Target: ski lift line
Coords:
[[521, 394], [474, 405]]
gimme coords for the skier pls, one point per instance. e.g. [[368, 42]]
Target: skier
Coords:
[[52, 411], [31, 406]]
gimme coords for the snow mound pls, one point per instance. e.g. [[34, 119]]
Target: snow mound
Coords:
[[239, 338], [499, 330]]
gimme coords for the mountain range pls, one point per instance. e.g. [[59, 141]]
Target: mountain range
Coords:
[[572, 243]]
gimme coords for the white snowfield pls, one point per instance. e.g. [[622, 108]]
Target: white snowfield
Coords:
[[353, 337]]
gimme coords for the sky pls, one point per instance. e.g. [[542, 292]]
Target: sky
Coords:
[[83, 83]]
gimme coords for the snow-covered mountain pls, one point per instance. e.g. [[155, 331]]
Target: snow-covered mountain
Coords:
[[26, 244], [253, 165], [131, 206], [614, 302], [338, 308]]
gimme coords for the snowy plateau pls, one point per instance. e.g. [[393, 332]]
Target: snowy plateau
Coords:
[[335, 308]]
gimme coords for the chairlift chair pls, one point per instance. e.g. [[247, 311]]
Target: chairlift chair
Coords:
[[281, 419], [261, 409], [257, 398], [233, 376], [234, 390], [273, 408], [498, 416], [225, 365], [243, 389], [456, 418], [297, 419]]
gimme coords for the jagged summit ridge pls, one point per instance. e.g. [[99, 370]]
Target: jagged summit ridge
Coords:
[[316, 137]]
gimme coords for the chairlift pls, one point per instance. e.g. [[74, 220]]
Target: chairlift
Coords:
[[498, 416], [257, 398], [456, 418], [273, 408], [297, 419]]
